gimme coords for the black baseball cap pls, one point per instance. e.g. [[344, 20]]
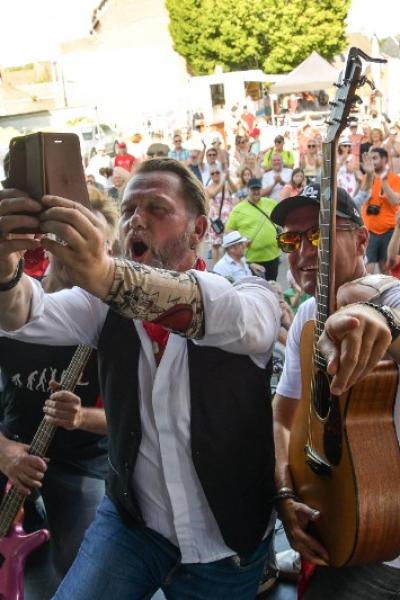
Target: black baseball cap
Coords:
[[254, 182], [345, 207]]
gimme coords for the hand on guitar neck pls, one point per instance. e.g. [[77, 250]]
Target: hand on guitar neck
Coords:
[[64, 409], [354, 340], [22, 469]]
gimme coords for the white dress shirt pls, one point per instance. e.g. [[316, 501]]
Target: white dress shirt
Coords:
[[242, 319]]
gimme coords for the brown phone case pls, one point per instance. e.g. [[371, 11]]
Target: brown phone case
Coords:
[[47, 163]]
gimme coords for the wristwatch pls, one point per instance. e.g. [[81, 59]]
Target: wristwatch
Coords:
[[392, 320]]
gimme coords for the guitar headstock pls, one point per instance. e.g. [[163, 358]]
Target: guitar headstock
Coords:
[[346, 98]]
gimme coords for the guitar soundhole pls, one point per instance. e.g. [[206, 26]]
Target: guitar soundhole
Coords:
[[333, 433], [322, 395], [327, 408]]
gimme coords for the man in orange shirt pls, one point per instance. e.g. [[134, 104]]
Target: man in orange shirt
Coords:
[[379, 212]]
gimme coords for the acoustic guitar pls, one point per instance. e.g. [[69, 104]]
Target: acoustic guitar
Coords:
[[344, 453], [15, 544]]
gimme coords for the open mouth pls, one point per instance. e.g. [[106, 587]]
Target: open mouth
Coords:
[[138, 249]]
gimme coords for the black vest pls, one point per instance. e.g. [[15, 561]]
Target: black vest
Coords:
[[231, 432]]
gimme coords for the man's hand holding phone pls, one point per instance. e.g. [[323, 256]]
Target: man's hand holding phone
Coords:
[[83, 248], [16, 210]]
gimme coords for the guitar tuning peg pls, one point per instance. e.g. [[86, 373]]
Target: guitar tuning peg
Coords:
[[364, 80], [328, 122], [338, 85], [333, 103]]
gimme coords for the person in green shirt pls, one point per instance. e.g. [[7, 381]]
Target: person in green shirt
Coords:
[[251, 218], [286, 155]]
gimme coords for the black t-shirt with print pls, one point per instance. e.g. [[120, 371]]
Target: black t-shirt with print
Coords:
[[26, 371]]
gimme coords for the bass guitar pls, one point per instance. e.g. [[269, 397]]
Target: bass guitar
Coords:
[[15, 544], [344, 453]]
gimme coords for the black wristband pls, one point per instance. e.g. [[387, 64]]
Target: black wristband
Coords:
[[4, 287], [391, 319]]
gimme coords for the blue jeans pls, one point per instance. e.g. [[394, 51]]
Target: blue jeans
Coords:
[[115, 561]]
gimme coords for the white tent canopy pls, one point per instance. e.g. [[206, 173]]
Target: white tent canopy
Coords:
[[314, 73]]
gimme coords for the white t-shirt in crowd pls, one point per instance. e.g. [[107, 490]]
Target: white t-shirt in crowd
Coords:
[[268, 179]]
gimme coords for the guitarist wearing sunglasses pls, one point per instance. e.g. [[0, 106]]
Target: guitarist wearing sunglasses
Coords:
[[355, 338]]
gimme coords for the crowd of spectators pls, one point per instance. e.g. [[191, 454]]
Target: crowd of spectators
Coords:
[[279, 166], [245, 180]]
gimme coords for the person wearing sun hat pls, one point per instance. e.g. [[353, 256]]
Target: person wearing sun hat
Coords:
[[233, 264]]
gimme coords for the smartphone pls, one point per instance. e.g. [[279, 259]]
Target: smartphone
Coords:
[[47, 164]]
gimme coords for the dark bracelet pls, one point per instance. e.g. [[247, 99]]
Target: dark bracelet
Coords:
[[4, 287], [391, 318]]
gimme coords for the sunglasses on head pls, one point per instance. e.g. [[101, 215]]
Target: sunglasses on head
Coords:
[[290, 241]]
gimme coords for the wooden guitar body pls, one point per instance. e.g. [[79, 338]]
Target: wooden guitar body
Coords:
[[345, 461], [14, 548]]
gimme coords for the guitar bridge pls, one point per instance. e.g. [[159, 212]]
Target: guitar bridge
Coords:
[[316, 463]]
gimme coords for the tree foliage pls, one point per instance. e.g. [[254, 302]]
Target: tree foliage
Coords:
[[273, 35]]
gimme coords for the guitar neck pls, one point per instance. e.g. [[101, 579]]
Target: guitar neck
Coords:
[[13, 500], [325, 296]]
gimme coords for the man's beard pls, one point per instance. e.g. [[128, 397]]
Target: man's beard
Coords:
[[170, 255], [172, 252]]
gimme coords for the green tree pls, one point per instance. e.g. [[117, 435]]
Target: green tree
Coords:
[[274, 35]]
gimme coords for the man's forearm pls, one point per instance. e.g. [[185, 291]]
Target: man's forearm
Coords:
[[282, 471], [393, 197], [93, 420], [394, 244], [283, 410], [367, 181], [15, 305], [168, 298]]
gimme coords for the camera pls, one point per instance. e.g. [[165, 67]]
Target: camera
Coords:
[[217, 225], [373, 209]]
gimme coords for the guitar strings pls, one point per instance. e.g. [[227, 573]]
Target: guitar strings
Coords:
[[322, 296]]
